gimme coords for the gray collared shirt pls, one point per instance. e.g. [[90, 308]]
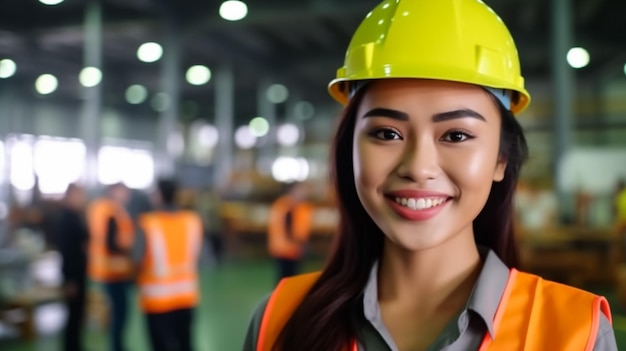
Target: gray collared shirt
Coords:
[[466, 332]]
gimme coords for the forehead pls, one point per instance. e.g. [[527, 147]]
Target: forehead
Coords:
[[427, 95]]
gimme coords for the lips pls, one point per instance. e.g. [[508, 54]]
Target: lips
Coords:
[[417, 205]]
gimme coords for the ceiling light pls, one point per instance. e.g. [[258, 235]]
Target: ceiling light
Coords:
[[277, 93], [50, 2], [288, 134], [233, 10], [7, 68], [198, 75], [160, 102], [90, 77], [244, 138], [136, 94], [578, 57], [149, 52], [259, 126], [46, 84], [304, 110], [208, 136]]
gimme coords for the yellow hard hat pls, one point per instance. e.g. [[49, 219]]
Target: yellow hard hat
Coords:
[[455, 40]]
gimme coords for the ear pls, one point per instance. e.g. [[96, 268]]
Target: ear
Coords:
[[498, 173]]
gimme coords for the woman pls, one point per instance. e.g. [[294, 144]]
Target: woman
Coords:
[[425, 258]]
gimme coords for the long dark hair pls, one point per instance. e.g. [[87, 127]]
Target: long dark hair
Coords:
[[324, 319]]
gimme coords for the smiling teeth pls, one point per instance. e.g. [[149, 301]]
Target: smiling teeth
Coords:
[[420, 203]]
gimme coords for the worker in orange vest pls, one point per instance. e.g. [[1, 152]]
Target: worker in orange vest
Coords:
[[167, 253], [111, 233], [425, 163], [289, 229]]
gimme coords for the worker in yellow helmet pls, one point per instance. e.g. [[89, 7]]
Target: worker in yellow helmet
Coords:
[[425, 161]]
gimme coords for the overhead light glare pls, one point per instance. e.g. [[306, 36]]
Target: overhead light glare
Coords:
[[7, 68], [288, 134], [198, 75], [304, 110], [46, 84], [277, 93], [259, 126], [90, 77], [244, 137], [136, 94], [233, 10], [149, 52], [160, 102], [578, 57], [50, 2]]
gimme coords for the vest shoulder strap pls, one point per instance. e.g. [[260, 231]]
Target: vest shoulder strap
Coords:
[[536, 314], [281, 305]]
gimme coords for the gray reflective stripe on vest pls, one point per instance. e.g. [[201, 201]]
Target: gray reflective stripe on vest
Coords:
[[159, 254], [168, 289]]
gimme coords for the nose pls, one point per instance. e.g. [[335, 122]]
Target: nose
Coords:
[[420, 161]]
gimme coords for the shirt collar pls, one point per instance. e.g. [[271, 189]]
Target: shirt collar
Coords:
[[489, 288], [483, 300]]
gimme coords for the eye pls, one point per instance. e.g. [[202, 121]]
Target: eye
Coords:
[[386, 134], [456, 136]]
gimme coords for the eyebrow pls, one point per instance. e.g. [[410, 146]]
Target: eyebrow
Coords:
[[462, 113], [438, 117], [385, 112]]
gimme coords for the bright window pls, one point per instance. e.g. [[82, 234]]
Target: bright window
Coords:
[[57, 163], [21, 175], [134, 167]]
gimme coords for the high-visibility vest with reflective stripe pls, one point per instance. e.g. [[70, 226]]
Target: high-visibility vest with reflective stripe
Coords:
[[105, 266], [168, 278], [285, 239], [533, 314]]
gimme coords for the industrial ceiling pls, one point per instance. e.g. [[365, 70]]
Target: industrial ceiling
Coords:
[[297, 43]]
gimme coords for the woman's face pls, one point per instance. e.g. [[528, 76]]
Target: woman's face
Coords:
[[425, 155]]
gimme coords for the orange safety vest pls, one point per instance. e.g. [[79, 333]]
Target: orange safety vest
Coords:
[[533, 314], [168, 278], [283, 241], [105, 266]]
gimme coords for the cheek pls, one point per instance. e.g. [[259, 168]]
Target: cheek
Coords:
[[360, 163], [476, 169], [367, 168]]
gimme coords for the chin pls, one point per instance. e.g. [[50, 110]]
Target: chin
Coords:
[[412, 244]]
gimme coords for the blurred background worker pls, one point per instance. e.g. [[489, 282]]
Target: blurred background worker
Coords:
[[167, 252], [289, 229], [71, 235], [111, 236]]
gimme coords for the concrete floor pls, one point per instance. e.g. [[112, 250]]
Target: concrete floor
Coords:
[[229, 295]]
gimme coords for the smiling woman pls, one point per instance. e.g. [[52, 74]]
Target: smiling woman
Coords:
[[426, 159]]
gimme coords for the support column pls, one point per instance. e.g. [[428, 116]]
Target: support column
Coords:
[[563, 79], [224, 117], [6, 116], [267, 110], [92, 106], [170, 85], [295, 119], [7, 99]]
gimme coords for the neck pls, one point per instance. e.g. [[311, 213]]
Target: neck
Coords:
[[430, 279]]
